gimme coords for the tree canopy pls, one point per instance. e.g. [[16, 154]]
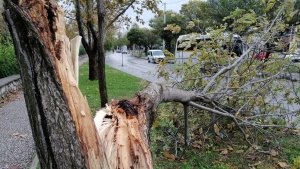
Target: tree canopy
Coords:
[[200, 13], [173, 19], [136, 36]]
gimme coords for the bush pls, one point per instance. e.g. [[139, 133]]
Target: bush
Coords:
[[108, 45], [8, 61], [82, 51]]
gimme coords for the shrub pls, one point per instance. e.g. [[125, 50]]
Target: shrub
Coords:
[[107, 45], [82, 51], [8, 60]]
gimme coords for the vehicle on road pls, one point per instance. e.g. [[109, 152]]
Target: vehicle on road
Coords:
[[262, 55], [155, 56], [182, 52], [124, 50]]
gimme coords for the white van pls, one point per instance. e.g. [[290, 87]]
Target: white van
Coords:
[[124, 50], [182, 54], [155, 56]]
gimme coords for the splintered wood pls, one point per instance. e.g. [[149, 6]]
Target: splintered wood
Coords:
[[120, 133]]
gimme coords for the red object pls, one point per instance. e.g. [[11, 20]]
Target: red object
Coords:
[[261, 55]]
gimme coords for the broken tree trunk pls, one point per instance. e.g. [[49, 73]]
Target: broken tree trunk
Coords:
[[62, 125], [60, 118], [124, 126]]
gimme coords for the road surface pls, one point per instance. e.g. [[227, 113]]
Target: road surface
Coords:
[[135, 66]]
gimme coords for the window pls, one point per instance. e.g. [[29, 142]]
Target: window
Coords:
[[157, 53], [185, 44]]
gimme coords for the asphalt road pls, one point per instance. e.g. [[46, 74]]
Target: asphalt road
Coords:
[[135, 66], [17, 149]]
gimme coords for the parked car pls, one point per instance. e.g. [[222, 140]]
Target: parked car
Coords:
[[155, 56], [124, 50], [262, 55]]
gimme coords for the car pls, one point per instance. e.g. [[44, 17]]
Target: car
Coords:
[[155, 56], [124, 51], [262, 55]]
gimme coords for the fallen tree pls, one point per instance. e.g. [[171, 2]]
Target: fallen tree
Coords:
[[63, 127]]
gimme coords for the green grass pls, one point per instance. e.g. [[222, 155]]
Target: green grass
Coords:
[[138, 53], [191, 161], [120, 85], [8, 61], [291, 147], [209, 157], [295, 68]]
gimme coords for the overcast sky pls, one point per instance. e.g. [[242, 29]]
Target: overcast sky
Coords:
[[174, 5]]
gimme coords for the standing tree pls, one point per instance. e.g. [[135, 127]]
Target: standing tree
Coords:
[[136, 37], [172, 19], [200, 13], [61, 121], [223, 8], [108, 12], [151, 39]]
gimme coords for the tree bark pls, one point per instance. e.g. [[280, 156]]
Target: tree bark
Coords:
[[60, 118], [90, 42], [124, 126], [93, 65], [63, 128], [101, 52]]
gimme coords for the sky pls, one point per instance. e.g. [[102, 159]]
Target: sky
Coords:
[[174, 5]]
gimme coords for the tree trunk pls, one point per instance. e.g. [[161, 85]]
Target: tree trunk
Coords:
[[93, 66], [102, 78], [101, 53], [62, 125], [90, 42], [128, 124], [168, 45], [61, 121]]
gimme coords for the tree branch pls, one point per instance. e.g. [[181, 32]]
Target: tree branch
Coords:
[[121, 13]]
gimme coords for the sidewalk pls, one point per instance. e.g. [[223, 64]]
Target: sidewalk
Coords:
[[17, 149]]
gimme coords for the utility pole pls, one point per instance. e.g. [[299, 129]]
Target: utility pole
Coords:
[[164, 23]]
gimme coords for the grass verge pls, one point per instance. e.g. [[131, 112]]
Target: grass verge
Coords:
[[120, 86]]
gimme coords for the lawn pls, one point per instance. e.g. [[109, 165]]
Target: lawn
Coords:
[[120, 86]]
